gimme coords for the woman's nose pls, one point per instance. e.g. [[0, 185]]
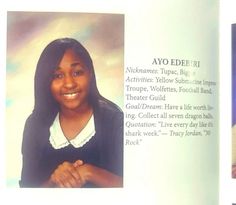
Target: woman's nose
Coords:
[[69, 81]]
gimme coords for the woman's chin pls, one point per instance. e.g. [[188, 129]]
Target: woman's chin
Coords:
[[71, 106], [74, 106]]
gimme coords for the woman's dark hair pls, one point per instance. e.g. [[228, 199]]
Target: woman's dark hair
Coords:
[[45, 105]]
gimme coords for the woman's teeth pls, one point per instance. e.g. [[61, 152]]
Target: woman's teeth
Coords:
[[70, 95]]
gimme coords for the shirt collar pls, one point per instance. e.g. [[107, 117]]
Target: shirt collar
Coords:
[[58, 139]]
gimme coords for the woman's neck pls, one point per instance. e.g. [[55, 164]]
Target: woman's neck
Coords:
[[73, 121], [85, 110]]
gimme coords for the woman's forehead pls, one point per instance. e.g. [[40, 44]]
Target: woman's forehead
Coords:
[[71, 58]]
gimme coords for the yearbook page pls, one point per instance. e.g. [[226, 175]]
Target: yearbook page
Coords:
[[154, 62]]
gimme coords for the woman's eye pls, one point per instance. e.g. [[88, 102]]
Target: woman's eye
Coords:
[[77, 73], [57, 76]]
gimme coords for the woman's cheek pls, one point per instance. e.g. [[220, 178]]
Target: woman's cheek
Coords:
[[55, 89]]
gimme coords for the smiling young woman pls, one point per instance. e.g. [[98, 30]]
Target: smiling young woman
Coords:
[[74, 136]]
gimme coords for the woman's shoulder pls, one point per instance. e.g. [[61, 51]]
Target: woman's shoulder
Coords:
[[109, 110], [108, 106]]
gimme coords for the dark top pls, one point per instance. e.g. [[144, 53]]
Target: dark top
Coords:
[[104, 150]]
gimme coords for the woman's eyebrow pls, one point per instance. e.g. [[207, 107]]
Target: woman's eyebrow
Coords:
[[57, 68], [72, 65], [75, 64]]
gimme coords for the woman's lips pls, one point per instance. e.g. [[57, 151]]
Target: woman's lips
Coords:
[[70, 96]]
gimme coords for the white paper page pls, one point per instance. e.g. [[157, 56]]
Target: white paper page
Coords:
[[170, 104]]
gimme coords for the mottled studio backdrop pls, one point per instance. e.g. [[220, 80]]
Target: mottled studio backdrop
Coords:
[[28, 33]]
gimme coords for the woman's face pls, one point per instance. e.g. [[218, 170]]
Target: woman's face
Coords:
[[71, 81]]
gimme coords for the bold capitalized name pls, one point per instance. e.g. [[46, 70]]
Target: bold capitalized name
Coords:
[[176, 62]]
